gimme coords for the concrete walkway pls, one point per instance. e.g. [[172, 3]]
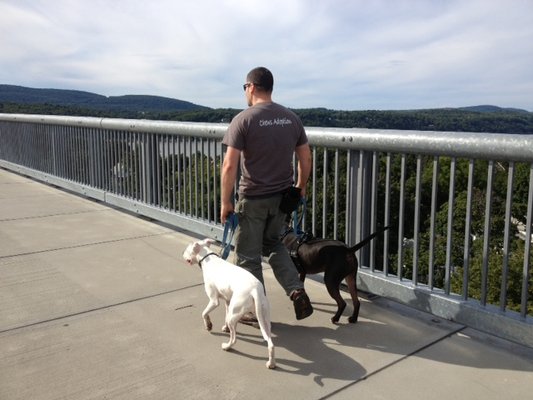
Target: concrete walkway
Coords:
[[97, 304]]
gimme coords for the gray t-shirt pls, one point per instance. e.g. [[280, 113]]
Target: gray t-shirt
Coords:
[[267, 134]]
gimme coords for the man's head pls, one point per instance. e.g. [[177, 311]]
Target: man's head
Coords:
[[261, 78], [258, 86]]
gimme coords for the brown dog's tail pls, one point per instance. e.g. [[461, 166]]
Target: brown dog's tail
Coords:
[[367, 240]]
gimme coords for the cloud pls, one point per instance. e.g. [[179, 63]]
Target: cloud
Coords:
[[336, 54]]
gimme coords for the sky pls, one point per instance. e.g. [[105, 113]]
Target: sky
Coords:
[[337, 54]]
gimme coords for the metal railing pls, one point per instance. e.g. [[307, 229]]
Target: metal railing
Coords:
[[459, 204]]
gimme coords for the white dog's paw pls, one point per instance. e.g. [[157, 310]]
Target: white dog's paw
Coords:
[[271, 364], [208, 324], [225, 329], [226, 346]]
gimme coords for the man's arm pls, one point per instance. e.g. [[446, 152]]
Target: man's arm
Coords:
[[227, 181], [305, 163]]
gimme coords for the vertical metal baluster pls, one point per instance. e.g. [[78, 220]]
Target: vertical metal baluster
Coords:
[[401, 217], [468, 228], [359, 204], [145, 168], [449, 239], [116, 157], [526, 276], [168, 177], [196, 172], [351, 195], [216, 161], [387, 212], [324, 193], [69, 154], [121, 170], [336, 195], [84, 138], [127, 163], [374, 208], [434, 194], [314, 194], [486, 236], [202, 178], [190, 169], [210, 162], [181, 164], [160, 168], [103, 158], [54, 139], [507, 236], [173, 147], [416, 229]]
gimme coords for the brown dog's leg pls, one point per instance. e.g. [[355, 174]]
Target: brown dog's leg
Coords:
[[332, 284], [352, 287]]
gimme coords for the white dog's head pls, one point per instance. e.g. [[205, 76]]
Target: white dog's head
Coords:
[[190, 255]]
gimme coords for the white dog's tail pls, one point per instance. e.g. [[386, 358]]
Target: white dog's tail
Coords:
[[262, 310]]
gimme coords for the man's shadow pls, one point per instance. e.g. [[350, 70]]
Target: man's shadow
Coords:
[[318, 351]]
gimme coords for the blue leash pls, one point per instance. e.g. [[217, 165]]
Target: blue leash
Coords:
[[229, 228], [297, 221]]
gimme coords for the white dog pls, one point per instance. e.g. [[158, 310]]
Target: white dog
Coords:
[[241, 291]]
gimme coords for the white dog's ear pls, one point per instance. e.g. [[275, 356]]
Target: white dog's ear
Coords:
[[197, 247], [207, 242]]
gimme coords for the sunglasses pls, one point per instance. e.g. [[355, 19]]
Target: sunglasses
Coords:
[[246, 85]]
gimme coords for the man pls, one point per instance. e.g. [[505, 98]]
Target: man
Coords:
[[262, 141]]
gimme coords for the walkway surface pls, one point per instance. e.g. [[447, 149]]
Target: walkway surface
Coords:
[[97, 304]]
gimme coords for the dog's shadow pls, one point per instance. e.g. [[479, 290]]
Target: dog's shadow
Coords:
[[316, 351]]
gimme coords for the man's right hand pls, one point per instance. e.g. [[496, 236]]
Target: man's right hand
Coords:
[[225, 210]]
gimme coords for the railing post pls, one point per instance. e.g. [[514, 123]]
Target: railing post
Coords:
[[93, 163], [148, 170], [359, 200], [54, 157], [352, 163]]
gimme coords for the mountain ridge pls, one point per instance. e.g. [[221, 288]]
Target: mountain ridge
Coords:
[[65, 97], [144, 103]]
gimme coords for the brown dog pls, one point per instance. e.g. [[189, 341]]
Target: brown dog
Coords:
[[335, 259]]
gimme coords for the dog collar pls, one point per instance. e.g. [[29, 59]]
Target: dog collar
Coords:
[[204, 257]]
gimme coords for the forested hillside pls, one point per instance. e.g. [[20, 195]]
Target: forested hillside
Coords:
[[485, 118], [76, 102], [452, 119]]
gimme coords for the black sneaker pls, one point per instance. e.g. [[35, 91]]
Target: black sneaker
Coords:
[[302, 304]]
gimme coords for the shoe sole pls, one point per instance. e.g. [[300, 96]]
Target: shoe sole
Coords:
[[302, 307]]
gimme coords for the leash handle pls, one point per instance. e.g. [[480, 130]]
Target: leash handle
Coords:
[[229, 229], [297, 221]]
